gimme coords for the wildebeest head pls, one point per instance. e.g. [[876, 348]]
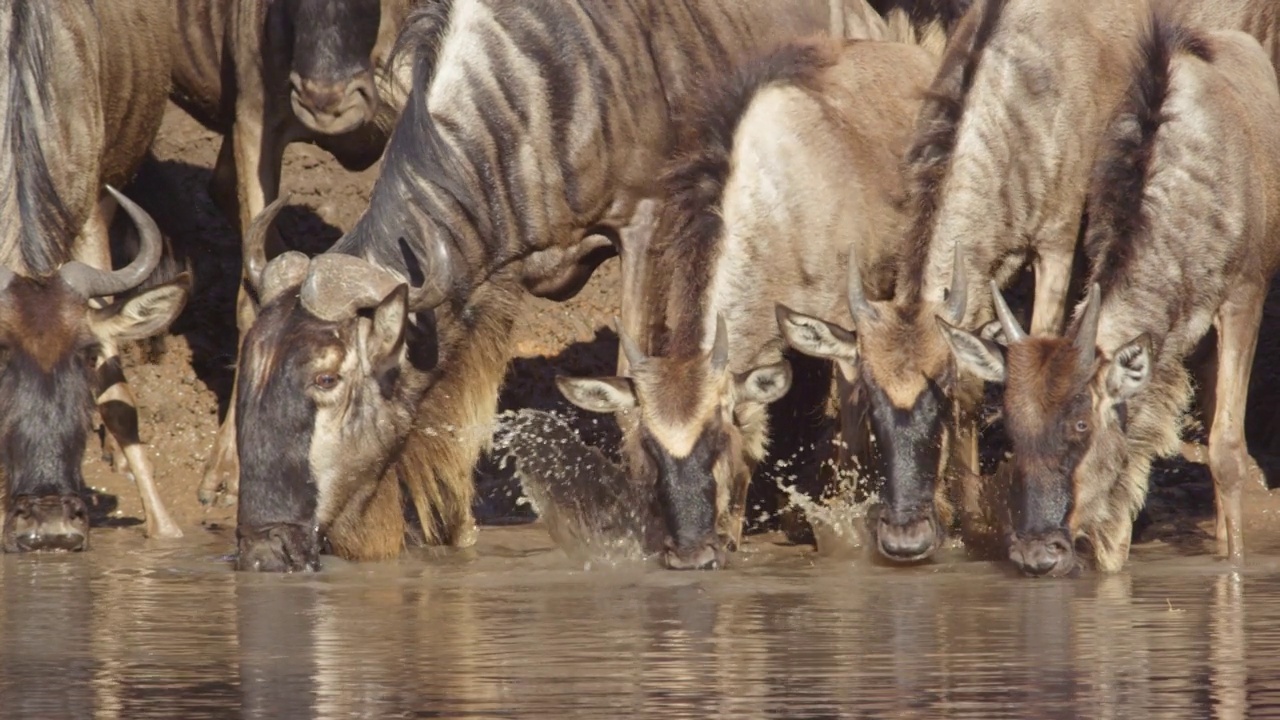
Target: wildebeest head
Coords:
[[692, 411], [330, 376], [1065, 410], [331, 76], [52, 370], [900, 365]]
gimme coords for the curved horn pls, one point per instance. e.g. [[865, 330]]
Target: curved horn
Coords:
[[1086, 341], [438, 278], [255, 242], [720, 350], [286, 270], [629, 348], [92, 282], [1013, 331], [338, 286], [958, 294], [859, 306]]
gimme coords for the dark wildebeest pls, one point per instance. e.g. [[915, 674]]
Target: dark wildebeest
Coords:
[[265, 74], [1184, 234], [533, 134], [84, 88], [794, 161]]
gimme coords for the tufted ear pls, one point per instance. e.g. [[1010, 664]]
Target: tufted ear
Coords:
[[145, 314], [1130, 369], [816, 338], [980, 357], [764, 384], [994, 332], [602, 395], [386, 335]]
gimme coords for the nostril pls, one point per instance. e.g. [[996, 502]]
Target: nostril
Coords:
[[1059, 547]]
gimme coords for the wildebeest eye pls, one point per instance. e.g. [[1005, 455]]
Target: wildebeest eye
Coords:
[[326, 381], [1082, 426]]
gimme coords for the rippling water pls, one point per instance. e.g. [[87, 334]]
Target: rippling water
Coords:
[[513, 628]]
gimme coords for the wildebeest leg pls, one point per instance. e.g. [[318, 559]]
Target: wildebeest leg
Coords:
[[1229, 459], [1053, 275], [1111, 539], [115, 400], [120, 415], [636, 310], [93, 247], [222, 184]]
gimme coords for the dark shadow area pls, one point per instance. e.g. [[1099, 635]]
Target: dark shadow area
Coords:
[[201, 238]]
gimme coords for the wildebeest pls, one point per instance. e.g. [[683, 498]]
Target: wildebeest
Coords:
[[997, 172], [532, 134], [1184, 234], [84, 88], [794, 162], [266, 74]]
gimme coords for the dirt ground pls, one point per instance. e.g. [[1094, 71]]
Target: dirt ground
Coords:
[[182, 391]]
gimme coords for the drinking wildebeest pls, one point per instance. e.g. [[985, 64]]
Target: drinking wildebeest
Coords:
[[793, 162], [84, 87], [264, 75], [513, 170], [1184, 234], [998, 171]]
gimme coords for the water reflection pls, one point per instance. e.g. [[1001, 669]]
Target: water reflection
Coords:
[[131, 631]]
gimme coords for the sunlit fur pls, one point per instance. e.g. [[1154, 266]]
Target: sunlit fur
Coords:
[[791, 163], [1000, 169], [1183, 233], [530, 127]]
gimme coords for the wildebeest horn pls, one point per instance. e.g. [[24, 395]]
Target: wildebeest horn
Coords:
[[859, 307], [339, 285], [435, 286], [1013, 331], [629, 348], [283, 272], [255, 242], [1086, 341], [720, 350], [958, 293], [92, 282]]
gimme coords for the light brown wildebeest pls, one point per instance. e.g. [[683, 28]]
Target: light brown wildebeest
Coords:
[[1000, 169], [794, 161], [1184, 234], [533, 134], [84, 88]]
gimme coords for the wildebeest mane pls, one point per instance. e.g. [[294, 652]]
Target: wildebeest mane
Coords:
[[929, 157], [417, 157], [45, 226], [1118, 215], [691, 223], [922, 13]]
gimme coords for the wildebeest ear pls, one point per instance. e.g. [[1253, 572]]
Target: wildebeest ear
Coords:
[[602, 395], [994, 332], [1130, 369], [980, 357], [764, 384], [386, 334], [815, 337], [144, 315]]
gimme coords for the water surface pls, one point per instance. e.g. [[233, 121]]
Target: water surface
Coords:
[[513, 628]]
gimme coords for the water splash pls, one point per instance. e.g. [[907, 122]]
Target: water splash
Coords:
[[592, 510], [838, 518]]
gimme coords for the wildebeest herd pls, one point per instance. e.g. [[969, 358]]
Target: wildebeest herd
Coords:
[[850, 180]]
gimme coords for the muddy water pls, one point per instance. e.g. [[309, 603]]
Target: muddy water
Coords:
[[513, 628]]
